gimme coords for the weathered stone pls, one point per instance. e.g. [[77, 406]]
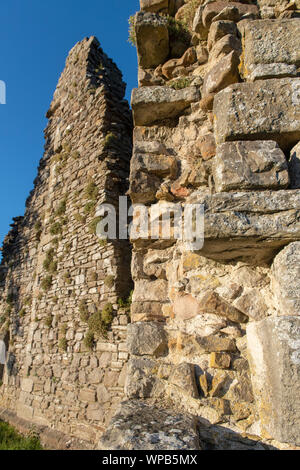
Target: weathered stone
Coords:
[[265, 71], [27, 385], [225, 46], [88, 396], [158, 165], [250, 165], [140, 380], [152, 39], [151, 104], [146, 338], [215, 343], [286, 279], [220, 29], [150, 290], [183, 376], [234, 10], [252, 304], [219, 360], [224, 73], [294, 167], [154, 6], [207, 146], [273, 106], [211, 302], [219, 384], [268, 42], [141, 426], [143, 187], [273, 345], [235, 222]]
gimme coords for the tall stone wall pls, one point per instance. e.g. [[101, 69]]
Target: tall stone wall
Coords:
[[215, 332], [60, 284]]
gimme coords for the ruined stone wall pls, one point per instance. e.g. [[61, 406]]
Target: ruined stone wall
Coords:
[[215, 332], [60, 284]]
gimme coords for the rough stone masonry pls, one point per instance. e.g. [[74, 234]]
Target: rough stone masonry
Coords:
[[213, 335]]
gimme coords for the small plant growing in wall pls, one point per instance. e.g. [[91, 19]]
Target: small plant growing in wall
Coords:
[[61, 209], [89, 340], [107, 314], [48, 321], [109, 281], [109, 140], [22, 312], [67, 278], [46, 283], [56, 228], [63, 344], [84, 312], [93, 225], [180, 83], [132, 34], [178, 31], [91, 191]]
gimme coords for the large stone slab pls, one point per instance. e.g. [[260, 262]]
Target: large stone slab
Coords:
[[154, 5], [250, 225], [263, 110], [274, 353], [269, 42], [286, 279], [146, 338], [141, 426], [250, 165], [156, 103], [152, 39]]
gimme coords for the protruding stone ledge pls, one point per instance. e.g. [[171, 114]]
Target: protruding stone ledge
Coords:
[[156, 103], [274, 349], [140, 426], [269, 42], [250, 165], [249, 225], [263, 110]]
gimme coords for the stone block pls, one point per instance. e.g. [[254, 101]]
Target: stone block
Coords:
[[27, 385], [140, 380], [141, 426], [224, 73], [265, 71], [183, 376], [152, 104], [269, 42], [274, 353], [152, 39], [88, 396], [211, 302], [219, 360], [233, 11], [250, 165], [146, 338], [154, 6], [286, 279], [220, 29], [263, 110], [250, 225]]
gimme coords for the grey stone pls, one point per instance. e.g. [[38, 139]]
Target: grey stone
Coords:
[[286, 279], [250, 165], [224, 73], [269, 42], [141, 426], [140, 380], [151, 104], [265, 71], [183, 376], [152, 39], [146, 338], [263, 110], [250, 225], [274, 353]]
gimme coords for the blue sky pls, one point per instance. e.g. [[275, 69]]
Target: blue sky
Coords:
[[35, 38]]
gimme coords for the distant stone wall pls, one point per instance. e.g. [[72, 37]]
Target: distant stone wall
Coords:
[[217, 123], [56, 275]]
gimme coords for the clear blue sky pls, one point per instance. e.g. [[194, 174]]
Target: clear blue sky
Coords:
[[35, 37]]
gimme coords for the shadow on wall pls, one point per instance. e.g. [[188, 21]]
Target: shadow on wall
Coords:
[[214, 437]]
